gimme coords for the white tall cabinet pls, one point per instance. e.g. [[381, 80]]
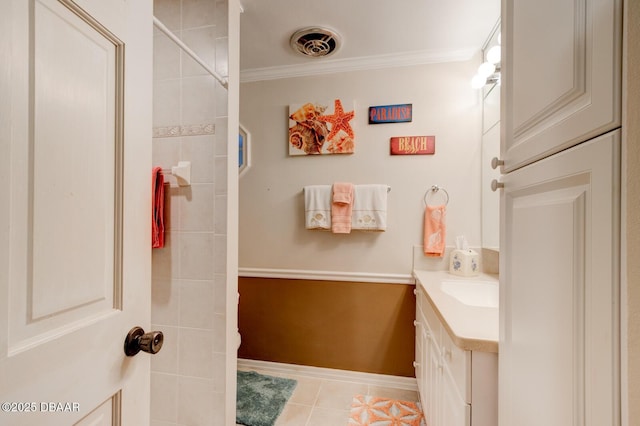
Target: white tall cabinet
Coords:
[[561, 75], [560, 213]]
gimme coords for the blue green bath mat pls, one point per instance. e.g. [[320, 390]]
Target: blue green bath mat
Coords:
[[260, 399]]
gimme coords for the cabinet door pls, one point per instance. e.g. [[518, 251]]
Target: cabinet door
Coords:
[[561, 74], [559, 295], [433, 371], [420, 353], [454, 410], [458, 362], [425, 378]]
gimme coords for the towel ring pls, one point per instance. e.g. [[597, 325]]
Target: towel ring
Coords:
[[435, 189]]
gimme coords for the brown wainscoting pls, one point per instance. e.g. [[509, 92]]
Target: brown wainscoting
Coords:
[[353, 326]]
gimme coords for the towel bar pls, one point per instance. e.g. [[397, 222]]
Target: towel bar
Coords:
[[182, 172], [388, 188], [434, 189]]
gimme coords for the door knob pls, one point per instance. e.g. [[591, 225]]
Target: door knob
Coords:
[[495, 185], [137, 340]]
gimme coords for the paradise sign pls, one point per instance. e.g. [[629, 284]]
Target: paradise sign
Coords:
[[402, 113]]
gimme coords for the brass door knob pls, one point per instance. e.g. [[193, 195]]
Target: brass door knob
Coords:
[[137, 340]]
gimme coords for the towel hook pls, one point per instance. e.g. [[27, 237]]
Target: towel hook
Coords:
[[435, 189]]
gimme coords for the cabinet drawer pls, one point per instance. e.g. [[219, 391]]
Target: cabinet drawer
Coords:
[[458, 362]]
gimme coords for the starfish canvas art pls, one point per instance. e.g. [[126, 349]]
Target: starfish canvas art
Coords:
[[321, 128]]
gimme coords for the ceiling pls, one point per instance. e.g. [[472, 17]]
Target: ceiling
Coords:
[[375, 33]]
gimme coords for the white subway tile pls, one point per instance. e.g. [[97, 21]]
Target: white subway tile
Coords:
[[195, 401], [197, 304], [165, 261], [197, 208], [166, 102], [198, 100], [166, 58], [166, 361], [200, 150], [168, 11], [165, 301], [164, 397], [195, 353], [202, 42], [220, 215], [198, 13], [196, 255]]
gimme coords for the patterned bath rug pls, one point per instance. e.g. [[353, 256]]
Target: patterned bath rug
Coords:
[[260, 399], [367, 410]]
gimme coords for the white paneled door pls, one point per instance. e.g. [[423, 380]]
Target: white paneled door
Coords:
[[75, 168]]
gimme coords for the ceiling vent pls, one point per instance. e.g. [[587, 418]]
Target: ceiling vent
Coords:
[[315, 42]]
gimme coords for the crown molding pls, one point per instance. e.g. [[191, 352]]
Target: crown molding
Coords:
[[330, 66]]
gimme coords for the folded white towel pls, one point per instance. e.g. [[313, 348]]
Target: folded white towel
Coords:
[[317, 206], [369, 207]]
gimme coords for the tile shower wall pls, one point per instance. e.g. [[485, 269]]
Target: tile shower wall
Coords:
[[188, 296]]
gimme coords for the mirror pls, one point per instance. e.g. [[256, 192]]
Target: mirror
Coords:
[[490, 149], [244, 145]]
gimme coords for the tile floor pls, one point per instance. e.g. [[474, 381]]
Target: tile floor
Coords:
[[325, 402]]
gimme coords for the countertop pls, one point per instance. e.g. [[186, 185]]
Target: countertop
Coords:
[[471, 328]]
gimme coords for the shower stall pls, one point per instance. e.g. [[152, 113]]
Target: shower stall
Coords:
[[194, 277]]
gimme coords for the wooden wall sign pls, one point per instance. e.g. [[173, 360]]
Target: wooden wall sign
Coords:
[[401, 113], [413, 145]]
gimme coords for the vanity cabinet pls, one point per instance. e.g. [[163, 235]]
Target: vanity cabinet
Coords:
[[561, 75], [451, 380]]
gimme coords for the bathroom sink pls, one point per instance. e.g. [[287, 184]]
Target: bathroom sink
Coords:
[[472, 293]]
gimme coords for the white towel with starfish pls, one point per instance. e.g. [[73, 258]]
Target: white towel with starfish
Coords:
[[369, 211], [317, 206]]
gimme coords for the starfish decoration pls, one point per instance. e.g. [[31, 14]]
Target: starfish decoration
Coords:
[[339, 120]]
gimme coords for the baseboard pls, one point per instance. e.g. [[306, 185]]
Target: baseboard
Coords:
[[372, 379]]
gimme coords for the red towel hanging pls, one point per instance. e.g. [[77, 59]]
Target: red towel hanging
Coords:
[[157, 220]]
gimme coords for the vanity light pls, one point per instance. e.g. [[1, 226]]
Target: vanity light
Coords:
[[486, 69], [494, 79], [494, 55], [478, 81], [489, 71]]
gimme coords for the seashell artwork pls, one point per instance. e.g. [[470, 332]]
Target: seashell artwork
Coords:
[[320, 128]]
